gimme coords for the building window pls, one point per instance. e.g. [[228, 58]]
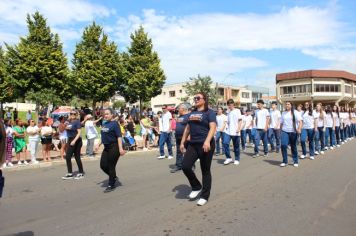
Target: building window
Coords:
[[245, 95], [180, 91], [235, 93], [333, 88], [220, 91], [164, 93], [172, 93], [347, 89]]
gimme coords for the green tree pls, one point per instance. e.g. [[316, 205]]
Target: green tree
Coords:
[[201, 84], [143, 74], [97, 66], [6, 86], [38, 64]]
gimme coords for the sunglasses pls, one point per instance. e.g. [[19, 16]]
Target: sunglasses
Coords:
[[164, 108], [73, 113], [197, 98]]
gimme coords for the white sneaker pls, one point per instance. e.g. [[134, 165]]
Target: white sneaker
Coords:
[[19, 163], [25, 163], [338, 145], [4, 166], [194, 194], [170, 157], [342, 142], [331, 148], [10, 164], [161, 157], [326, 148], [256, 155], [283, 164], [201, 202], [295, 164], [35, 162], [316, 153], [302, 157], [322, 152], [311, 158], [236, 163], [79, 176], [145, 149], [227, 161]]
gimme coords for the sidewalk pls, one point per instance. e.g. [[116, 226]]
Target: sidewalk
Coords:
[[56, 159]]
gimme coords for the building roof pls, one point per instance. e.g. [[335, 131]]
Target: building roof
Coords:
[[316, 74]]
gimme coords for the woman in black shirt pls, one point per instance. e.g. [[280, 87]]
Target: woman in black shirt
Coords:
[[201, 128]]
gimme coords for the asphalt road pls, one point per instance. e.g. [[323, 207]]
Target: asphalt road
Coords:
[[256, 198]]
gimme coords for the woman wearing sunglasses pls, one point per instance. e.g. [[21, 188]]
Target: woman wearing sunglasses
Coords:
[[201, 129], [75, 144]]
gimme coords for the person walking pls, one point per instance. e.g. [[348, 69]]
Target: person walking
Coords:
[[309, 128], [75, 144], [181, 123], [262, 120], [165, 134], [233, 132], [274, 132], [246, 129], [221, 120], [112, 141], [201, 128], [320, 135], [291, 125], [336, 114], [33, 140], [330, 120], [91, 133]]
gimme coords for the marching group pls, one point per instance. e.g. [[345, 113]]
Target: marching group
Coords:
[[197, 132]]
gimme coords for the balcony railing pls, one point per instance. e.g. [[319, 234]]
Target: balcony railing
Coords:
[[296, 95]]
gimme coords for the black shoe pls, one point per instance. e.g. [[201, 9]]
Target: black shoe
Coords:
[[110, 188], [176, 170]]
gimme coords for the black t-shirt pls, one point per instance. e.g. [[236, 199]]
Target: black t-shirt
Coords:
[[110, 132], [74, 126], [199, 125]]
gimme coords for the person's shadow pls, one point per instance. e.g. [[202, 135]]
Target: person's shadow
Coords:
[[25, 233], [182, 191], [273, 162]]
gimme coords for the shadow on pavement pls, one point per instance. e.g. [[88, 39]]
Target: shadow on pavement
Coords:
[[25, 233], [273, 162], [172, 166], [182, 191], [105, 183]]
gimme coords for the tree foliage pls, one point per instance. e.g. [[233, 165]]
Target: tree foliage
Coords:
[[201, 84], [142, 71], [97, 66], [37, 63], [6, 85]]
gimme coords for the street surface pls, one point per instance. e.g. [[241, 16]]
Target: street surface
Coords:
[[256, 198]]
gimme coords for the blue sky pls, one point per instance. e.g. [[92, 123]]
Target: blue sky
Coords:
[[235, 42]]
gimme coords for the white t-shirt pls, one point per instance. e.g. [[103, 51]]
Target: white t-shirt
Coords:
[[261, 118], [337, 119], [233, 122], [32, 130], [247, 122], [320, 120], [287, 121], [46, 131], [329, 120], [166, 121], [9, 132], [309, 121], [275, 118], [90, 130], [221, 120]]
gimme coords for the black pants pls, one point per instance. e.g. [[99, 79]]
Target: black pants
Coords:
[[76, 151], [109, 159], [195, 152]]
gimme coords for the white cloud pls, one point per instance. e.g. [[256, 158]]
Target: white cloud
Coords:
[[57, 11], [209, 43]]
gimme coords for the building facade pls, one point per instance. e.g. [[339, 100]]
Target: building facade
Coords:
[[326, 86], [174, 94]]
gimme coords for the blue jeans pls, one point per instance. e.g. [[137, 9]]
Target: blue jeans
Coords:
[[249, 134], [243, 139], [261, 134], [236, 144], [289, 139], [319, 137], [337, 134], [165, 138], [310, 134], [219, 138], [329, 137], [274, 135], [179, 159]]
